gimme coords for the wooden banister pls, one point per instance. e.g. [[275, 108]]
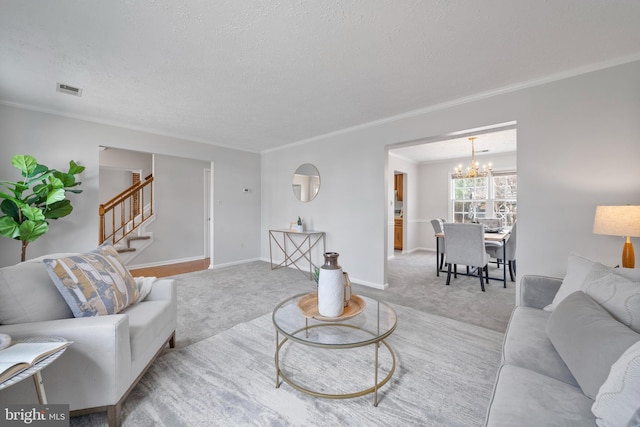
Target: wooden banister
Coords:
[[130, 210]]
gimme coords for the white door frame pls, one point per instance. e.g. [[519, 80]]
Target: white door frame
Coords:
[[208, 214]]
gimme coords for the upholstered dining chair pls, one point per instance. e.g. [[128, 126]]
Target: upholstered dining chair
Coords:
[[510, 252], [437, 228], [490, 222], [492, 247], [465, 245]]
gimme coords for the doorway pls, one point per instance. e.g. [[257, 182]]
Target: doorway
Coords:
[[208, 215], [428, 164], [399, 187]]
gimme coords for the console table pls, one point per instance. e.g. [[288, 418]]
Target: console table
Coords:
[[296, 248]]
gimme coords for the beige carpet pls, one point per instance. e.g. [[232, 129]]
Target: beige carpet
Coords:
[[215, 305], [444, 377], [413, 283], [212, 301]]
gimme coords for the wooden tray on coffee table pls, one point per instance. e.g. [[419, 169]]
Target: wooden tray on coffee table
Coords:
[[308, 304]]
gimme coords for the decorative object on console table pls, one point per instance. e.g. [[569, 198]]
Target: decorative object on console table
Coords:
[[619, 221], [331, 287], [299, 226]]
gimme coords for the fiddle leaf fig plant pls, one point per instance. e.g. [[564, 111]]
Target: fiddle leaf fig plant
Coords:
[[40, 196]]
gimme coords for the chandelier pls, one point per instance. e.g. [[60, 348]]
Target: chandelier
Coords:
[[473, 170]]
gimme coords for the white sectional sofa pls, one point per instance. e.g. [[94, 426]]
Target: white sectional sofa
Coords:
[[109, 354], [571, 353]]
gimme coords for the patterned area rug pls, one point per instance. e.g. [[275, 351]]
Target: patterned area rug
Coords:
[[444, 377]]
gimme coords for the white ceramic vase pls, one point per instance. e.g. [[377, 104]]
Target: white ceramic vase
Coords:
[[331, 287]]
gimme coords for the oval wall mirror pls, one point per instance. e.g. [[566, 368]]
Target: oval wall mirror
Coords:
[[306, 182]]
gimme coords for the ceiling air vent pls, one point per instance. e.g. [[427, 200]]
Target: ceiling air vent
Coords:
[[69, 90]]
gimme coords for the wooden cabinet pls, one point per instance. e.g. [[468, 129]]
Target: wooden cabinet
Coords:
[[398, 186], [397, 234]]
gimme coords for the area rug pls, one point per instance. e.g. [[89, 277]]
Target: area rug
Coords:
[[444, 377]]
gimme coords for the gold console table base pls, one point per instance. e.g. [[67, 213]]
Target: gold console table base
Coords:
[[296, 247]]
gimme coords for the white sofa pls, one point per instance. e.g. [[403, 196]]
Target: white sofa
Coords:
[[571, 353], [109, 354]]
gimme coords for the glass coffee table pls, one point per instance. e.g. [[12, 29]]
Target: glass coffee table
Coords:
[[374, 321]]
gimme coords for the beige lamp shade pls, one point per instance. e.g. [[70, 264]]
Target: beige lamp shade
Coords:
[[617, 221]]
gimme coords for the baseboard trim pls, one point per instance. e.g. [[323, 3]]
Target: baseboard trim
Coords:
[[379, 286], [354, 280], [163, 263], [231, 264], [189, 259], [420, 249]]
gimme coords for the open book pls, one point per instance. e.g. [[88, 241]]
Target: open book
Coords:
[[23, 355]]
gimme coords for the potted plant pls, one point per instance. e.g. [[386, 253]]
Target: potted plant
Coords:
[[299, 226], [39, 197]]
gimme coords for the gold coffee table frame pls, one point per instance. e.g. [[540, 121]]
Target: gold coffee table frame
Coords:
[[378, 321]]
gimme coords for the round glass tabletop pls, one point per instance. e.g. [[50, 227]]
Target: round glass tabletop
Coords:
[[376, 322]]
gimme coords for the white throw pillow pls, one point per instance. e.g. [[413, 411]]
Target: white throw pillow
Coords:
[[144, 285], [617, 294], [618, 401], [579, 269]]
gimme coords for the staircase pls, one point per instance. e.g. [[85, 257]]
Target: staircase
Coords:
[[124, 218], [130, 239]]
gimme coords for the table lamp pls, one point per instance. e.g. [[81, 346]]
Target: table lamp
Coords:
[[619, 221]]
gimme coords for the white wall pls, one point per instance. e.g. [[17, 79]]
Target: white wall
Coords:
[[112, 183], [54, 140], [350, 204], [578, 147], [126, 160], [178, 229]]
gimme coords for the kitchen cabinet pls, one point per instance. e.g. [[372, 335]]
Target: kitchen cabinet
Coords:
[[397, 234], [398, 186]]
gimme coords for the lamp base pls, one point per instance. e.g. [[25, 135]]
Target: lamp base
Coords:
[[628, 257]]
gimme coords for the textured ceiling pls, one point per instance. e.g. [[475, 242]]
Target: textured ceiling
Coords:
[[262, 74]]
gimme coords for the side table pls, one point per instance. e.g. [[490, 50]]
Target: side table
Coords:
[[35, 370]]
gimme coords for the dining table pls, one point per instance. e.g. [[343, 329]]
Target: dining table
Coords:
[[500, 236]]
